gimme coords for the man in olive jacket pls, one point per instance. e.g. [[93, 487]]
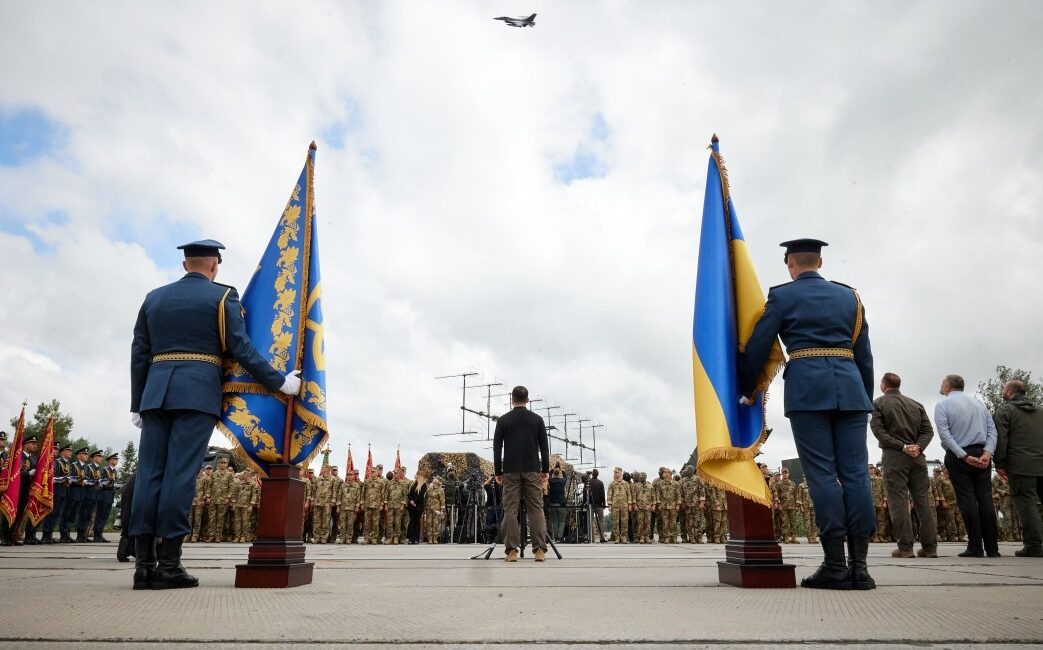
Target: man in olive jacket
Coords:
[[1019, 459]]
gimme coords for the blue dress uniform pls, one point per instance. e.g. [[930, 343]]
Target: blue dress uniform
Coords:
[[106, 497], [24, 529], [184, 331], [4, 532], [828, 393], [91, 489], [74, 497], [62, 468]]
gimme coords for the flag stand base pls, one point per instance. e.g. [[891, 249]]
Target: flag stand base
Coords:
[[753, 559], [276, 558]]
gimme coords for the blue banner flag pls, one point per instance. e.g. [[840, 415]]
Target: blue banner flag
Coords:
[[728, 302], [283, 312]]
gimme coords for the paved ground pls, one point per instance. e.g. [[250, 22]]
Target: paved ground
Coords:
[[598, 595]]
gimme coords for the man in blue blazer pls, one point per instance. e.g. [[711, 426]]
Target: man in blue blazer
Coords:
[[183, 333], [829, 390]]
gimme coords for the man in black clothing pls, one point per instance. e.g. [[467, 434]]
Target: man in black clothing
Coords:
[[597, 503], [521, 459]]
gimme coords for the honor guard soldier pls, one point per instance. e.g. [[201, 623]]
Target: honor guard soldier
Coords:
[[77, 476], [91, 486], [106, 496], [23, 529], [184, 332], [828, 396], [62, 471], [4, 455]]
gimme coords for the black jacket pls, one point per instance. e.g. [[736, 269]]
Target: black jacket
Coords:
[[520, 443], [597, 492]]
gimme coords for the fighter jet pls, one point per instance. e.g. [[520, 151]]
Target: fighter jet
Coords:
[[520, 21]]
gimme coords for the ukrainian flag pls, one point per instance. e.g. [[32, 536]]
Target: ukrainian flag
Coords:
[[728, 302], [283, 309]]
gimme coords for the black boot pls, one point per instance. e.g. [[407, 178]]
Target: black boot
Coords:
[[100, 539], [170, 574], [858, 549], [833, 574], [65, 539], [81, 537], [48, 538], [145, 561], [125, 550], [30, 539]]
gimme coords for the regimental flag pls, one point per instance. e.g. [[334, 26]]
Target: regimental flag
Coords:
[[728, 302], [350, 464], [283, 308], [41, 489], [369, 460], [398, 460], [10, 477]]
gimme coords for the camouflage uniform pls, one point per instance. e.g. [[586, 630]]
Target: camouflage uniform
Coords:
[[1008, 525], [350, 505], [807, 511], [786, 493], [948, 517], [883, 523], [397, 499], [338, 487], [667, 499], [309, 488], [322, 501], [693, 495], [243, 495], [434, 508], [641, 492], [251, 531], [373, 495], [717, 507], [220, 499], [619, 502], [403, 516], [199, 502]]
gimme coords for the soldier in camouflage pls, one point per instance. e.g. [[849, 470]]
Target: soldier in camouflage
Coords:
[[373, 499], [403, 515], [200, 501], [351, 505], [243, 497], [309, 491], [786, 493], [642, 496], [220, 494], [434, 510], [667, 501], [693, 496], [879, 491], [338, 486], [322, 501], [397, 499], [807, 512], [948, 519], [619, 502]]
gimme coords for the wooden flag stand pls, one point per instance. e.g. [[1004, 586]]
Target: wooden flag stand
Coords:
[[276, 558], [753, 559]]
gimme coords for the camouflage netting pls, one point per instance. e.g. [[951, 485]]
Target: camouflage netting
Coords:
[[435, 463]]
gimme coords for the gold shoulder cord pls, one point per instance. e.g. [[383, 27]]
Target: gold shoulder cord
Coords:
[[858, 318], [221, 318]]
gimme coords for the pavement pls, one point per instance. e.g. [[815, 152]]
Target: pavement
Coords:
[[598, 595]]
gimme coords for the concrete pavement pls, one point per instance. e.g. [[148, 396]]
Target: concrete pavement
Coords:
[[598, 595]]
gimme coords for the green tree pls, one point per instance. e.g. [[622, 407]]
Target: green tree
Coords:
[[991, 391], [45, 411], [128, 461]]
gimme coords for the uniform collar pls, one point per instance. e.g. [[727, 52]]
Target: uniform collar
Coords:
[[809, 274], [194, 274]]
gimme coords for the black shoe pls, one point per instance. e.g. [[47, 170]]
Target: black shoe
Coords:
[[125, 549], [65, 539], [81, 537], [833, 573], [858, 549], [970, 553], [30, 540], [1029, 552], [145, 562], [100, 539], [995, 553], [170, 574], [47, 539]]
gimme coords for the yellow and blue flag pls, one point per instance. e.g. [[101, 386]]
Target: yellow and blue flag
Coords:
[[728, 302], [283, 311]]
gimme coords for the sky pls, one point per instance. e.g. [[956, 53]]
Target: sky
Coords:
[[522, 203]]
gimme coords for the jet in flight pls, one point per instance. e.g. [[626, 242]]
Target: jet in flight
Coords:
[[520, 21]]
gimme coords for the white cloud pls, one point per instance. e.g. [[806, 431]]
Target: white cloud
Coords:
[[913, 145]]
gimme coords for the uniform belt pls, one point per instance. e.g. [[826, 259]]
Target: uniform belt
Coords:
[[808, 353], [187, 356]]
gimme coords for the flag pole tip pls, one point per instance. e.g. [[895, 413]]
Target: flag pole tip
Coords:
[[313, 146], [715, 139]]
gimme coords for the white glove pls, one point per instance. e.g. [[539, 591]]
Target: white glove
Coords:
[[135, 419], [744, 402], [292, 385], [32, 472]]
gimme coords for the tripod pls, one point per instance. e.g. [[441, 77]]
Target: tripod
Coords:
[[524, 535]]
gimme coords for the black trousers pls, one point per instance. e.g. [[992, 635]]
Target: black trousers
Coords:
[[973, 487]]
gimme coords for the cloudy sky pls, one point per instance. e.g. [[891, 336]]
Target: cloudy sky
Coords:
[[520, 202]]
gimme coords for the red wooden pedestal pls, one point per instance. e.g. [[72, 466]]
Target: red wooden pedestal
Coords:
[[277, 556], [753, 559]]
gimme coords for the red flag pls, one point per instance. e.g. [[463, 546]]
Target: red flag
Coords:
[[350, 465], [41, 489], [369, 462], [398, 460], [10, 478]]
